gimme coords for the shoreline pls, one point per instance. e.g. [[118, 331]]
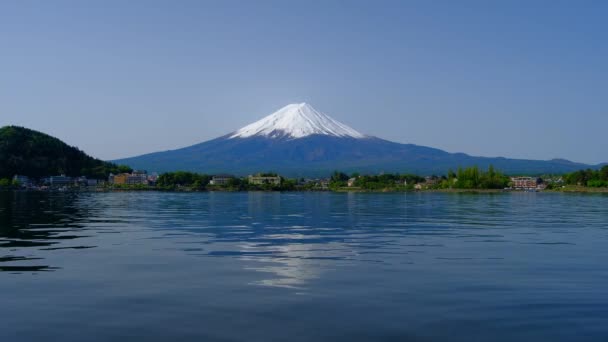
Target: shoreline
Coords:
[[572, 190]]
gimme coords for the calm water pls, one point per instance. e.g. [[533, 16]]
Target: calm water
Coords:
[[301, 267]]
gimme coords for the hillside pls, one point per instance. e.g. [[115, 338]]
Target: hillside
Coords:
[[34, 154]]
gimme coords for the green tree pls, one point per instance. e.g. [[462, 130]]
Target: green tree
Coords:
[[604, 173], [474, 178], [338, 179], [173, 180]]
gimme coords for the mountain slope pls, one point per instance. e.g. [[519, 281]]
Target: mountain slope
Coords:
[[300, 141], [318, 155], [34, 154]]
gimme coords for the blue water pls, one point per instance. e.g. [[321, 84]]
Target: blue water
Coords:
[[147, 266]]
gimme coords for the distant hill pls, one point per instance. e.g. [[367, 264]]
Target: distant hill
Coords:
[[34, 154], [299, 141]]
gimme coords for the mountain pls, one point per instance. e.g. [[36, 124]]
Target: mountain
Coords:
[[34, 154], [297, 140]]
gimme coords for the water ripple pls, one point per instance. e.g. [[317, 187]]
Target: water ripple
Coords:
[[495, 260]]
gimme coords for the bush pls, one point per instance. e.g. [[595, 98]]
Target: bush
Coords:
[[597, 184]]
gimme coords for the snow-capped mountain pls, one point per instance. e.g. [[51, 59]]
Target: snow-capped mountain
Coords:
[[298, 140], [296, 121]]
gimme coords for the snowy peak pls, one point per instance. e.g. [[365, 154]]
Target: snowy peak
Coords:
[[296, 121]]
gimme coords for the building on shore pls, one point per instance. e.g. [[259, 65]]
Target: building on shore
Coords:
[[84, 181], [134, 178], [261, 179], [59, 181], [524, 183], [221, 179], [93, 182], [137, 178], [323, 184], [430, 181], [152, 179], [118, 179]]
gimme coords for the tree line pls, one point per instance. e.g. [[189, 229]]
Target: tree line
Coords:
[[588, 177], [464, 178], [198, 182]]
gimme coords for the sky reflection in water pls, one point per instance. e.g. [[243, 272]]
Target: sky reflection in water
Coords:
[[501, 266]]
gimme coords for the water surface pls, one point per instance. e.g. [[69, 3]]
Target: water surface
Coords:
[[147, 266]]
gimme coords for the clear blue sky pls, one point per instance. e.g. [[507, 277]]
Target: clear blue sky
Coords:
[[493, 78]]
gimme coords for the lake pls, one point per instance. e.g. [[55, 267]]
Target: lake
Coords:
[[152, 266]]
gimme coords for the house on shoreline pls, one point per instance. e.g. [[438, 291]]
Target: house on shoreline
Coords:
[[525, 183], [222, 179], [134, 178], [351, 182]]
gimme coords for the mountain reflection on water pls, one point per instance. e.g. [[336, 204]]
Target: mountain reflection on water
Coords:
[[262, 266]]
